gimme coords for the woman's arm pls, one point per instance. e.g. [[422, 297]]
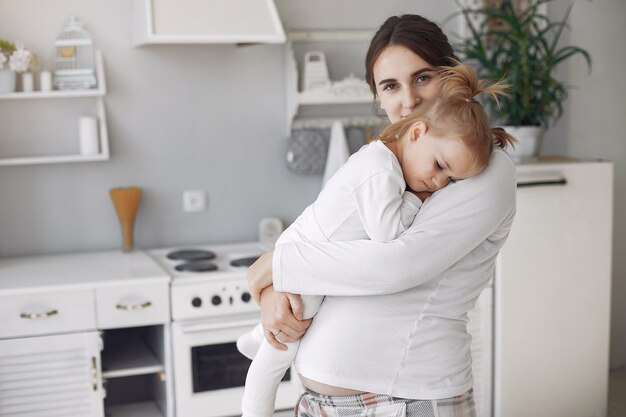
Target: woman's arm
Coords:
[[450, 225]]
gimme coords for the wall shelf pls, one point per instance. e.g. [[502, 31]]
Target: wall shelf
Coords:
[[97, 94], [344, 92]]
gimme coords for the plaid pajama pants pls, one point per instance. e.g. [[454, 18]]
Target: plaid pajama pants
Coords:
[[312, 404]]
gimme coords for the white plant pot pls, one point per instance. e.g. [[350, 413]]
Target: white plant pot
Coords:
[[529, 142], [7, 80]]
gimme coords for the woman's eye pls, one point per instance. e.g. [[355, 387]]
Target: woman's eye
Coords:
[[452, 180], [422, 79], [389, 87]]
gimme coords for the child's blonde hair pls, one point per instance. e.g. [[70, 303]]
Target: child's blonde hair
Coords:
[[456, 114]]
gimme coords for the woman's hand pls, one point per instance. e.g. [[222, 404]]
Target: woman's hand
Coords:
[[260, 275], [281, 315]]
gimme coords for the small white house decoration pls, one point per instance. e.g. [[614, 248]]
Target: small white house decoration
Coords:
[[74, 61]]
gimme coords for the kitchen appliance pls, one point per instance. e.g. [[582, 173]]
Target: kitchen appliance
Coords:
[[211, 308]]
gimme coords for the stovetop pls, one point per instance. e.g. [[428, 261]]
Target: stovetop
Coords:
[[209, 281], [210, 262]]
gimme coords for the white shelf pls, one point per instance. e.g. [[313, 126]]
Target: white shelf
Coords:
[[296, 98], [134, 358], [139, 409], [97, 94], [34, 160]]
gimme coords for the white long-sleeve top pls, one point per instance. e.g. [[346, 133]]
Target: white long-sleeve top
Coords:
[[366, 198], [402, 329]]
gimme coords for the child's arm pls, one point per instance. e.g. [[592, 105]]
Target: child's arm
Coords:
[[384, 207]]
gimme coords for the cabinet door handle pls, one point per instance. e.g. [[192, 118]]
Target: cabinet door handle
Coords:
[[542, 183], [34, 316], [94, 373], [128, 307]]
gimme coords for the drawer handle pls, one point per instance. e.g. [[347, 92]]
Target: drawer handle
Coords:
[[34, 316], [128, 307]]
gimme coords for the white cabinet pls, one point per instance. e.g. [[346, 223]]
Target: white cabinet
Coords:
[[51, 376], [96, 94], [201, 21], [136, 370], [552, 294], [107, 314], [480, 327], [131, 306], [46, 313]]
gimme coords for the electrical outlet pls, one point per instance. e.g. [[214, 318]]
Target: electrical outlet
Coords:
[[194, 201]]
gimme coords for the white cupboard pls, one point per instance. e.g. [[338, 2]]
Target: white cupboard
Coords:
[[51, 376], [552, 294], [107, 345]]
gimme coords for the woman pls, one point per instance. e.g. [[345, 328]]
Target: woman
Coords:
[[401, 347]]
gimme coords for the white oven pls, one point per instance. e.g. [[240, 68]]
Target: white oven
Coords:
[[211, 308], [209, 371]]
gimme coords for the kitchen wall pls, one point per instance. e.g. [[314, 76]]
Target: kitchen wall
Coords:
[[212, 117], [206, 117]]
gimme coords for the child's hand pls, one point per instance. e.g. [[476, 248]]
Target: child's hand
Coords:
[[422, 195]]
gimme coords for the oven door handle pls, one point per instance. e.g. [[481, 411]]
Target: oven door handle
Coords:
[[222, 324]]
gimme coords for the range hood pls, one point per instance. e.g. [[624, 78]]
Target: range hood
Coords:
[[206, 21]]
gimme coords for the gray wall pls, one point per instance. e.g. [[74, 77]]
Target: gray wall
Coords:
[[212, 118], [208, 117]]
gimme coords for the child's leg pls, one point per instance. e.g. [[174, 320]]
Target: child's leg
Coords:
[[268, 367], [248, 343]]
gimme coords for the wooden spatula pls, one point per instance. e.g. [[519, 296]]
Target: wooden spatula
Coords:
[[126, 202]]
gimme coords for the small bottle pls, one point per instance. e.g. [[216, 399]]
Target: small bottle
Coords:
[[45, 81], [88, 134], [27, 82]]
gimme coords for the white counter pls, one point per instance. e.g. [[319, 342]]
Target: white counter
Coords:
[[23, 275]]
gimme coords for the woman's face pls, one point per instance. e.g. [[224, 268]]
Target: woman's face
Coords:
[[403, 81]]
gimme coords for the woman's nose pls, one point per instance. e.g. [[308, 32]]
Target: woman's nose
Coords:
[[409, 101]]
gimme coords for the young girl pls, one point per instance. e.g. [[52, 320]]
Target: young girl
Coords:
[[372, 196]]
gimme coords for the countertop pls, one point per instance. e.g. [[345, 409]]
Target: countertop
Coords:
[[29, 274]]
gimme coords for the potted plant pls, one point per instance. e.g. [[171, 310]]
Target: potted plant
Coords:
[[14, 58], [520, 44]]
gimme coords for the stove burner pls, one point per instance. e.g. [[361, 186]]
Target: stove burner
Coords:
[[196, 266], [244, 261], [191, 255]]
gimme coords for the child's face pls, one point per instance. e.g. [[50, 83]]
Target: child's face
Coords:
[[430, 163]]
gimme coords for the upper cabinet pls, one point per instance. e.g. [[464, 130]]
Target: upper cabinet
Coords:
[[201, 21]]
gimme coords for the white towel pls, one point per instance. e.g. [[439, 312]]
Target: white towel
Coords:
[[338, 151]]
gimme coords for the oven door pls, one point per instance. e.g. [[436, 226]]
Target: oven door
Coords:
[[209, 371]]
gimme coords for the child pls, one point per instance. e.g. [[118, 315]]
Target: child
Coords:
[[373, 196]]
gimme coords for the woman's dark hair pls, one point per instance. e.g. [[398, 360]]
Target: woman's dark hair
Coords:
[[414, 32]]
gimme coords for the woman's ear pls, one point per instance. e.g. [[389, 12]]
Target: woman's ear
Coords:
[[418, 129]]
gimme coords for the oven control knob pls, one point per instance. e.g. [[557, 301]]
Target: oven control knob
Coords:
[[216, 300], [196, 302], [245, 297]]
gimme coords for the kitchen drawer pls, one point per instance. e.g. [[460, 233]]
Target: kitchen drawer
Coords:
[[47, 313], [139, 305]]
